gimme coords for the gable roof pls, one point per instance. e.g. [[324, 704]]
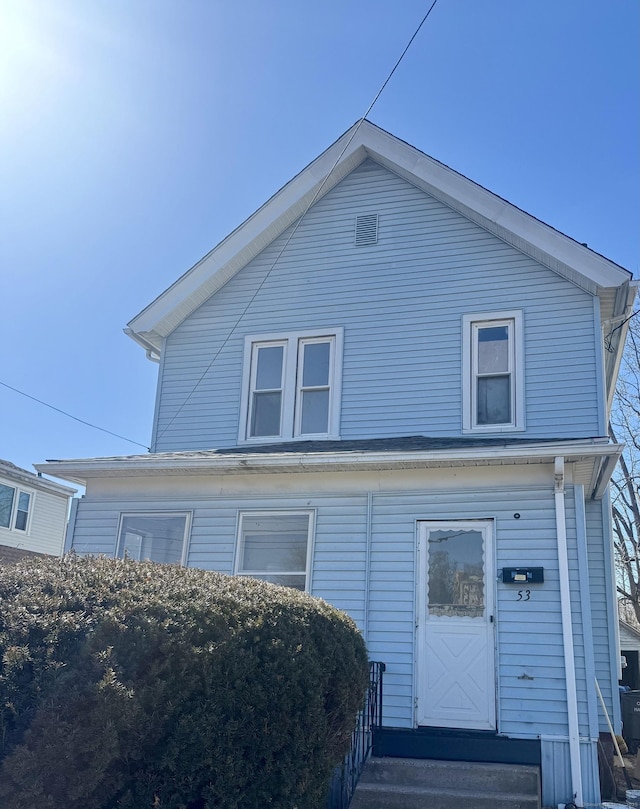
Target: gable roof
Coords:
[[15, 474], [570, 259]]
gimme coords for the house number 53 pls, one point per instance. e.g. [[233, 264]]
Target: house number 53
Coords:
[[524, 595]]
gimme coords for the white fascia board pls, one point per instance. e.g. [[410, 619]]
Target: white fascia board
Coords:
[[552, 248], [82, 470], [623, 307], [510, 223], [28, 479], [255, 234]]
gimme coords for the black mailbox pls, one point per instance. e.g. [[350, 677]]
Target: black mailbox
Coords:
[[522, 575]]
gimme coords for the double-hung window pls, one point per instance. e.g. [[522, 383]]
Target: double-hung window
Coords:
[[276, 547], [291, 386], [15, 508], [493, 395], [160, 536]]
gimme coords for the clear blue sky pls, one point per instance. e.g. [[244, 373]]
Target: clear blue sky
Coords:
[[135, 134]]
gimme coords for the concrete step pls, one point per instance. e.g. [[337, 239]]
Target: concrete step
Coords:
[[395, 783], [375, 796]]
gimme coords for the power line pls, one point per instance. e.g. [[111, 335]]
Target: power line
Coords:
[[69, 415], [608, 340], [297, 225]]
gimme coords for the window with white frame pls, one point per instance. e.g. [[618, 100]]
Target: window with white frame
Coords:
[[159, 536], [291, 386], [15, 508], [493, 395], [276, 547]]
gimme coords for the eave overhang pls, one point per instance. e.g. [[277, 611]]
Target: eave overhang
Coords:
[[574, 261], [593, 459], [22, 477]]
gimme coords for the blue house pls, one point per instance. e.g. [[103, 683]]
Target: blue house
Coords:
[[390, 387]]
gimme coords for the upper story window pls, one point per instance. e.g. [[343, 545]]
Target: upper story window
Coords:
[[276, 547], [15, 508], [159, 536], [493, 357], [291, 386]]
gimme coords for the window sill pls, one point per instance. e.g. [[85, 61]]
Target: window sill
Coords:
[[494, 428], [286, 439]]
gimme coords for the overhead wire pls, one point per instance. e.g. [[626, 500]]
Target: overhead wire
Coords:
[[608, 340], [296, 226], [262, 283], [71, 416]]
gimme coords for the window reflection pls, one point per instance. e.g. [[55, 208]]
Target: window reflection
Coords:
[[456, 576]]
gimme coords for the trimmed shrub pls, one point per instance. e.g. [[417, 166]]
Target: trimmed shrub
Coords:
[[132, 685]]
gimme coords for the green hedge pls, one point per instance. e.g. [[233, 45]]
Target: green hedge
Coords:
[[133, 685]]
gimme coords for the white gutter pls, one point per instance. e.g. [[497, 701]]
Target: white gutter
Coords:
[[26, 478], [241, 463], [567, 633]]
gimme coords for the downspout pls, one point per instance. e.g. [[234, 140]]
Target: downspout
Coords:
[[367, 569], [567, 632]]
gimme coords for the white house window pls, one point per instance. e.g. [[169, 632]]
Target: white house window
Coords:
[[15, 507], [276, 547], [158, 536], [493, 396], [291, 386], [266, 389]]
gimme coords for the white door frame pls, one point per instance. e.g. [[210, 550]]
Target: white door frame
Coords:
[[484, 630]]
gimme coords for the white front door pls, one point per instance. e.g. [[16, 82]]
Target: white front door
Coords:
[[455, 661]]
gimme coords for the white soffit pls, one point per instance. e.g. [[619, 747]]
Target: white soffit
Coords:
[[551, 248]]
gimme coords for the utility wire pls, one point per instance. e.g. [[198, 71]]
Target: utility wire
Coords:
[[296, 226], [75, 418], [609, 338], [402, 55]]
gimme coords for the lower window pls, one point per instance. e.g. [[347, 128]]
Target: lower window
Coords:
[[158, 536], [14, 508], [276, 547]]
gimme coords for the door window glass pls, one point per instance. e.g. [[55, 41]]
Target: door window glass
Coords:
[[456, 573]]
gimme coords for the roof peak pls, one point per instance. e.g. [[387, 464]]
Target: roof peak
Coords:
[[361, 141]]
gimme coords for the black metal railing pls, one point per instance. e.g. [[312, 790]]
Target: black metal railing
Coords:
[[345, 777]]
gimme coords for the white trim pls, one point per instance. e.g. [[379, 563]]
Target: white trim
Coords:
[[290, 415], [309, 512], [567, 631], [155, 513], [205, 462], [15, 476], [17, 491], [300, 388], [514, 319], [562, 254], [487, 528]]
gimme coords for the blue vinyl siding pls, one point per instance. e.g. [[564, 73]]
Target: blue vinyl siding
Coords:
[[556, 772], [401, 304], [339, 552], [528, 634], [604, 649]]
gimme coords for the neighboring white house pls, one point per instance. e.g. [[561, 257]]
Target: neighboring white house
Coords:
[[399, 402], [33, 513]]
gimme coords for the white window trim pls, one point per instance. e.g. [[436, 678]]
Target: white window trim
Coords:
[[158, 513], [468, 377], [290, 423], [310, 512], [14, 509]]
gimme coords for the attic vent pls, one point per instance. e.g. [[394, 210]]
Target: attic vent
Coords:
[[366, 229]]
